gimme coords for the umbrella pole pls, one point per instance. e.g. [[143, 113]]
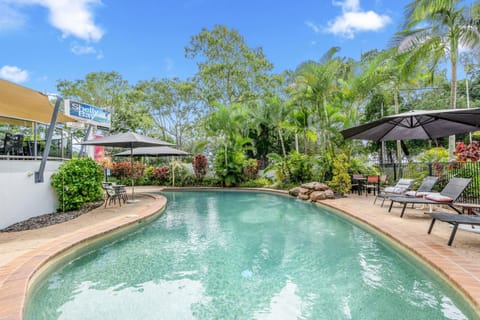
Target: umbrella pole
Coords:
[[131, 165]]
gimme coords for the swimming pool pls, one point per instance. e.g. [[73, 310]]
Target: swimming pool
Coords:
[[248, 256]]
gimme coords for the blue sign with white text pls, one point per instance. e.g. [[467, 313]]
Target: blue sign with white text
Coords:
[[90, 114]]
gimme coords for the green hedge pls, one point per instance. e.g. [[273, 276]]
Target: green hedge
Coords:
[[77, 182]]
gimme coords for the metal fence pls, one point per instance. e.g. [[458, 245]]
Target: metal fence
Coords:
[[445, 171]]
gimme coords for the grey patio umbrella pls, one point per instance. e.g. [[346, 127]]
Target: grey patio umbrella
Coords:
[[127, 140], [154, 152], [417, 124]]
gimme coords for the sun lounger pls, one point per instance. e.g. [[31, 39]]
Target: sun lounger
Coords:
[[455, 220], [398, 189], [447, 196], [422, 191]]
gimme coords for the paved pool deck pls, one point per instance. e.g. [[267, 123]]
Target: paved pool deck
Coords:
[[23, 253]]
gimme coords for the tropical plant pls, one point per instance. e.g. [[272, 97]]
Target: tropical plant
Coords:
[[200, 165], [432, 155], [122, 170], [250, 169], [300, 167], [77, 182], [435, 29], [470, 152], [341, 182], [228, 166], [162, 174]]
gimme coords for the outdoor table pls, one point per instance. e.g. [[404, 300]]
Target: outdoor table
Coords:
[[469, 207], [361, 182]]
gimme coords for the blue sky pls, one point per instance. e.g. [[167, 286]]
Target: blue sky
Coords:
[[48, 40]]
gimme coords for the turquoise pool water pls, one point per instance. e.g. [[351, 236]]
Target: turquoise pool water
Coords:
[[238, 255]]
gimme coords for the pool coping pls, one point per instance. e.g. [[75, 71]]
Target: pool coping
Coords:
[[17, 276]]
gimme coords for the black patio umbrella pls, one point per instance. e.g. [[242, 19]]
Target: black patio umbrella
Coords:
[[154, 152], [127, 140], [417, 124]]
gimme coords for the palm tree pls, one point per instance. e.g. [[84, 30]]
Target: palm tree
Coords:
[[434, 29], [320, 84], [388, 71]]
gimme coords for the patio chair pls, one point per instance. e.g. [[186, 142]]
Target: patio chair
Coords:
[[121, 192], [447, 196], [455, 220], [14, 145], [399, 189], [372, 184], [425, 189], [357, 182], [111, 195]]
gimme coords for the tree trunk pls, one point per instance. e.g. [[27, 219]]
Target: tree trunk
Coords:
[[281, 142]]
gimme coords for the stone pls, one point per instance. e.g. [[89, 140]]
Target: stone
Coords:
[[303, 196], [310, 185], [321, 187], [318, 195], [330, 194], [305, 191], [294, 191]]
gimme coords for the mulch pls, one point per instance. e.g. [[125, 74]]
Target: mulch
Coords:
[[51, 218]]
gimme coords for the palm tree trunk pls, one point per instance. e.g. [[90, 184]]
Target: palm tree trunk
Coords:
[[281, 142]]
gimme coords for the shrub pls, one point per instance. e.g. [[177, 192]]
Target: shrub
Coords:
[[341, 179], [123, 169], [256, 183], [178, 173], [200, 164], [77, 182], [471, 152], [161, 174], [229, 170], [300, 166], [250, 169], [437, 154]]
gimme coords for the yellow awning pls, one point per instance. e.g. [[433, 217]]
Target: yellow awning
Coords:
[[22, 103]]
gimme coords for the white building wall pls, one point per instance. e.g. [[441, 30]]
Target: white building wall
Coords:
[[21, 198]]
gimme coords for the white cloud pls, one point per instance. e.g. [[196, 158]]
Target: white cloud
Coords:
[[313, 26], [354, 20], [10, 18], [348, 5], [72, 17], [81, 50], [14, 74], [84, 50]]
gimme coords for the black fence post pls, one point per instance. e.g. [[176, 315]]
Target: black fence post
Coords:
[[394, 172], [430, 169]]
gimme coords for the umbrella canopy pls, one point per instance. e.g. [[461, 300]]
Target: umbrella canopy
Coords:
[[127, 140], [154, 151], [417, 124]]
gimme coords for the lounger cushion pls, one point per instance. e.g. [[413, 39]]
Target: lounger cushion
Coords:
[[394, 189], [418, 194], [438, 198], [412, 193]]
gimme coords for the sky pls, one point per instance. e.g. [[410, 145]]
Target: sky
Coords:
[[44, 41]]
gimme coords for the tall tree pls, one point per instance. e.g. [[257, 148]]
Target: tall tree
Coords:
[[434, 29], [173, 104], [108, 90], [229, 71]]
